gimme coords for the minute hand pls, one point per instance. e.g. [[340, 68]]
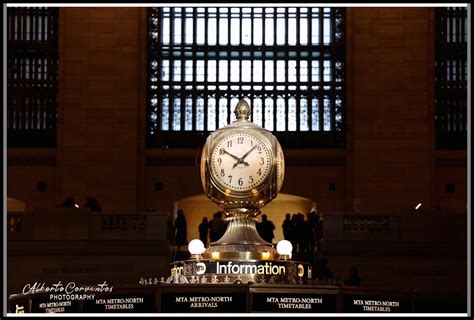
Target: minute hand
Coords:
[[246, 154]]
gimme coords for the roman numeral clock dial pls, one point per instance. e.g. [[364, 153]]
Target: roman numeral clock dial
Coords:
[[240, 162]]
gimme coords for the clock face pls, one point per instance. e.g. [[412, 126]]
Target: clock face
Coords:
[[240, 162]]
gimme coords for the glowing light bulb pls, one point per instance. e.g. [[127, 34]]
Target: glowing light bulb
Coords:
[[196, 247], [284, 248]]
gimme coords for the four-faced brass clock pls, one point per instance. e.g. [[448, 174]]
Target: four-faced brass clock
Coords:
[[242, 164]]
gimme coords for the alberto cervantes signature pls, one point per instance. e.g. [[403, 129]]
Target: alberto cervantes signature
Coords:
[[69, 288]]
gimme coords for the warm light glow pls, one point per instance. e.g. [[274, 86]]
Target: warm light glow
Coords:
[[76, 205], [215, 255], [418, 206], [196, 246], [265, 255], [284, 247]]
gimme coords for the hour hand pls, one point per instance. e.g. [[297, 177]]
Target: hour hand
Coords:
[[230, 154], [240, 161]]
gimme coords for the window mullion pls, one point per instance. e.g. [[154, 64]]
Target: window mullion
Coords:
[[275, 74], [229, 48]]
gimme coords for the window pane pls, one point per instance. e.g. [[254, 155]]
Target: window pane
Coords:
[[303, 31], [211, 31], [200, 114], [246, 31], [303, 71], [165, 114], [281, 32], [177, 31], [257, 31], [327, 26], [188, 120], [222, 112], [246, 71], [234, 71], [315, 27], [327, 115], [200, 32], [223, 30], [223, 71], [269, 71], [292, 31], [280, 70], [269, 114], [281, 118], [211, 70], [292, 114], [257, 71], [315, 114], [269, 31], [176, 70], [257, 111], [176, 114], [188, 70], [200, 70], [292, 71], [211, 114], [235, 28], [304, 114], [166, 31], [189, 31]]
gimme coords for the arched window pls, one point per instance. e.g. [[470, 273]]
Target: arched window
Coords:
[[32, 76], [451, 77], [288, 62]]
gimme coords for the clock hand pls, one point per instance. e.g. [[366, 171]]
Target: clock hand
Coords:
[[230, 154], [246, 154], [241, 159]]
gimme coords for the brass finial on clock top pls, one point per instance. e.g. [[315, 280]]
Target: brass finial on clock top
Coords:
[[242, 169]]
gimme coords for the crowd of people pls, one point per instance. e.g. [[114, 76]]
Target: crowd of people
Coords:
[[304, 234]]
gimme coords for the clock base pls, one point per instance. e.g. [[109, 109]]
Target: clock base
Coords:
[[241, 239]]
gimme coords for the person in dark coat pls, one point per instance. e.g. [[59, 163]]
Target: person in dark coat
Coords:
[[203, 231], [181, 229], [353, 279], [325, 272], [265, 229], [286, 226]]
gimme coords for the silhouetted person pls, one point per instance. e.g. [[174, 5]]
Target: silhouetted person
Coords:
[[353, 279], [265, 229], [170, 230], [181, 229], [286, 226], [300, 233], [93, 205], [319, 231], [217, 227], [324, 272], [68, 203], [292, 234], [203, 231], [313, 220]]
